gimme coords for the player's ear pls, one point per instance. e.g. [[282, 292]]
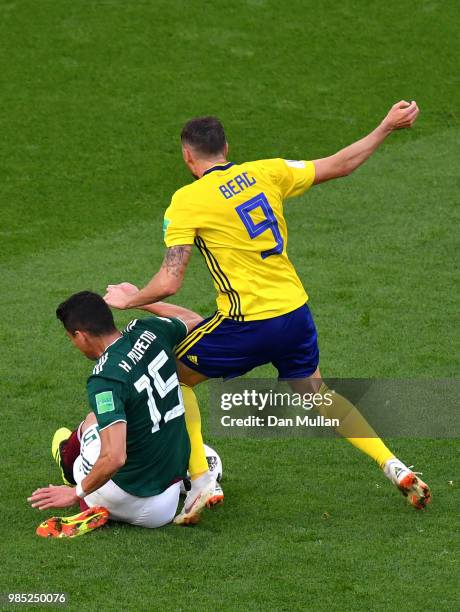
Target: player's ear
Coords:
[[226, 150], [80, 338], [186, 154]]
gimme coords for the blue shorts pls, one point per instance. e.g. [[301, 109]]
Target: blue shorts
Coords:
[[223, 348]]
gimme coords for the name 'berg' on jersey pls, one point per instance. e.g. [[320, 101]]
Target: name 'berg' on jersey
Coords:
[[135, 381], [234, 215]]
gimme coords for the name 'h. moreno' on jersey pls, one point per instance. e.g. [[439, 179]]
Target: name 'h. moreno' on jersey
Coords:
[[135, 381], [234, 215]]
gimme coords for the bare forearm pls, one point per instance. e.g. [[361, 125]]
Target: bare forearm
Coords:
[[353, 156], [401, 115], [102, 472], [168, 279], [157, 289], [162, 309]]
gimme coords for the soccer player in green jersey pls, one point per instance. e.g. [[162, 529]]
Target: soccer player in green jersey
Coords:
[[138, 412]]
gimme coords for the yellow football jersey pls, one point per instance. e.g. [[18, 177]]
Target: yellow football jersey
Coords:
[[234, 215]]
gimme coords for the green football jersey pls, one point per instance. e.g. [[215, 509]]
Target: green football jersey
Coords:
[[135, 381]]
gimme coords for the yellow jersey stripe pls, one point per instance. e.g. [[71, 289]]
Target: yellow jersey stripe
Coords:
[[218, 273], [200, 333], [192, 334], [206, 329], [218, 278]]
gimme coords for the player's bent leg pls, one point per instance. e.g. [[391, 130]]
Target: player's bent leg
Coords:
[[223, 347], [354, 428], [205, 490], [66, 447], [198, 464], [153, 511], [187, 376], [160, 509], [90, 447], [297, 363]]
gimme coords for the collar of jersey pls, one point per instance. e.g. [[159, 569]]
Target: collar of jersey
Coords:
[[112, 343], [219, 167]]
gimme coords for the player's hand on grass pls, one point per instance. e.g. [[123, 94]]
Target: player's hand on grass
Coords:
[[53, 497], [117, 296], [401, 115]]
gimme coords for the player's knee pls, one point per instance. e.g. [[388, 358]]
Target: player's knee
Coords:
[[187, 376], [308, 384]]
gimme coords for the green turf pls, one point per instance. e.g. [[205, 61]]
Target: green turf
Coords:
[[94, 94]]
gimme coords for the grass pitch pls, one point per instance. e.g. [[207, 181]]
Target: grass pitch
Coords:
[[93, 97]]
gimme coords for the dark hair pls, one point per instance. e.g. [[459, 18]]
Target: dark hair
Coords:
[[86, 311], [205, 134]]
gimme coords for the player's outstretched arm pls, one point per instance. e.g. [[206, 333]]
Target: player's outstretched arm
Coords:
[[162, 309], [401, 115], [167, 281]]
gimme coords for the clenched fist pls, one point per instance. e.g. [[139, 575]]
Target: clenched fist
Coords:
[[402, 115]]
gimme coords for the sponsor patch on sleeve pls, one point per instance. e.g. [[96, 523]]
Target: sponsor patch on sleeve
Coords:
[[104, 402], [295, 163]]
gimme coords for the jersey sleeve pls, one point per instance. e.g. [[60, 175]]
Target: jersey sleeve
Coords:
[[180, 330], [174, 328], [293, 177], [178, 225], [105, 400]]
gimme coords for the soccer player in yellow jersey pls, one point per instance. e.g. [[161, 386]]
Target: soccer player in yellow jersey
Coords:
[[233, 214]]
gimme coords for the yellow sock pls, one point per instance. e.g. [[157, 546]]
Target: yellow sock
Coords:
[[198, 464], [351, 421]]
